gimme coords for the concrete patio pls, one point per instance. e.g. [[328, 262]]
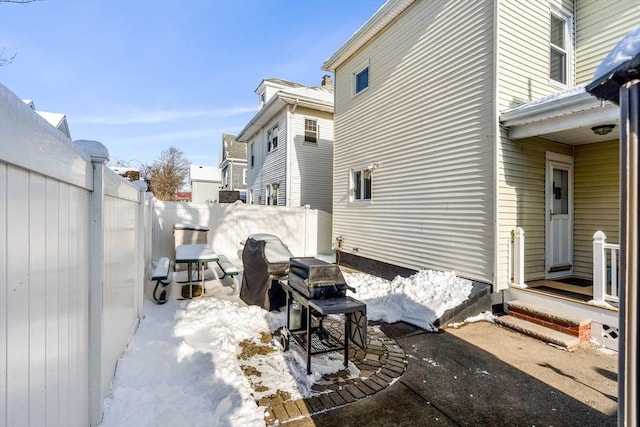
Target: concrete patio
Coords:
[[482, 374]]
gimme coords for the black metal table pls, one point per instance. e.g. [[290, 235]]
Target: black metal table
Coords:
[[318, 340]]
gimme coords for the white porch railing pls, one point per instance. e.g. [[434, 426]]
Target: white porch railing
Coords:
[[516, 261], [605, 270]]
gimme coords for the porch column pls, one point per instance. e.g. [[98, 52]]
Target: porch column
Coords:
[[629, 251]]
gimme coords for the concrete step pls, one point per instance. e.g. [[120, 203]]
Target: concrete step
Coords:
[[540, 332], [545, 324]]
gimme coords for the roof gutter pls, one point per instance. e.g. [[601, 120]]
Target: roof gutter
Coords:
[[387, 13], [553, 108]]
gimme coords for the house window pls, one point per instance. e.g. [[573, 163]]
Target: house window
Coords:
[[263, 99], [272, 195], [272, 139], [251, 154], [361, 80], [361, 184], [310, 130], [250, 201], [225, 178], [560, 47], [244, 176]]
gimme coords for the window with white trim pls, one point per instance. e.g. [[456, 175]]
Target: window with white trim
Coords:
[[272, 195], [310, 130], [272, 139], [360, 80], [244, 176], [251, 154], [360, 184], [560, 47]]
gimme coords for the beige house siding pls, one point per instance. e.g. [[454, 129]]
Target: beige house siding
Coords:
[[427, 120], [311, 164], [599, 29], [521, 189], [523, 51], [596, 200]]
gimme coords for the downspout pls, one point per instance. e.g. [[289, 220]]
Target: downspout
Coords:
[[496, 142], [287, 168]]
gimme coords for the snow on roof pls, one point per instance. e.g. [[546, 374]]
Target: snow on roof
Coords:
[[204, 173], [55, 119], [627, 49], [548, 99], [321, 93]]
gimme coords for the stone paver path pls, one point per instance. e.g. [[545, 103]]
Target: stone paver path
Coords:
[[380, 364]]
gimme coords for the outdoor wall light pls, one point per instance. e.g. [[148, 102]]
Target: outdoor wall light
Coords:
[[372, 166], [602, 129]]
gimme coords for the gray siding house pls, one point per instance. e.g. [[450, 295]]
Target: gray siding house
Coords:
[[233, 165], [290, 145]]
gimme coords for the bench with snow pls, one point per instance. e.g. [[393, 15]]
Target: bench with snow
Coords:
[[228, 270], [162, 276]]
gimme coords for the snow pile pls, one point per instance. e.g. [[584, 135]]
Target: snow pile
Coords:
[[628, 48], [420, 299], [204, 362]]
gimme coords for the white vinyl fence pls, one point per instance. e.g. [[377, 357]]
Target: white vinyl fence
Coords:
[[73, 242], [307, 232], [76, 248]]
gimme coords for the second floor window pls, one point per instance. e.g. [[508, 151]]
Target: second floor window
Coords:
[[310, 130], [360, 185], [361, 80], [272, 139], [560, 48], [251, 155]]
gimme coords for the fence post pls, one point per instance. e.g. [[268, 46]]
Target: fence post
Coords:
[[99, 156], [599, 269], [141, 237], [518, 257]]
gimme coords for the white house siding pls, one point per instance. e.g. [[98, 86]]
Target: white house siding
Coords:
[[427, 120], [521, 185], [596, 200], [269, 168], [311, 164], [523, 51], [600, 26]]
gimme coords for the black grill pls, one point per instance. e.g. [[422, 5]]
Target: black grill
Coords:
[[315, 278]]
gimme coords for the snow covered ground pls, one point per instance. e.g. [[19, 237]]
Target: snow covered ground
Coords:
[[185, 364]]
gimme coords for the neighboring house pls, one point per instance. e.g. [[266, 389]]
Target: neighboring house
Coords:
[[205, 183], [458, 124], [290, 145], [233, 165], [57, 120], [183, 196]]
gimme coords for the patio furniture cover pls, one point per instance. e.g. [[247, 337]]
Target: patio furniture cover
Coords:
[[266, 260]]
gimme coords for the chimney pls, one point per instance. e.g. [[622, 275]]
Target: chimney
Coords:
[[326, 80]]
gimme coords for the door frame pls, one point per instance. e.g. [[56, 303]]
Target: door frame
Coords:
[[555, 159]]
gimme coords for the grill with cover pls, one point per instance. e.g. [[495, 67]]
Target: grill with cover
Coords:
[[266, 260]]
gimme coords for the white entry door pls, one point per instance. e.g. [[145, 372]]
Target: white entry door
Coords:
[[559, 215]]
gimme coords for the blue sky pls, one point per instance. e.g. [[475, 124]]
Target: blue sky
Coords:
[[140, 76]]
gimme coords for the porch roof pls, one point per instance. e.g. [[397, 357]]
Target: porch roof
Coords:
[[566, 117]]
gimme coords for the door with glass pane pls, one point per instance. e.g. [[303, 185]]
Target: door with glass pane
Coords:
[[559, 215]]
